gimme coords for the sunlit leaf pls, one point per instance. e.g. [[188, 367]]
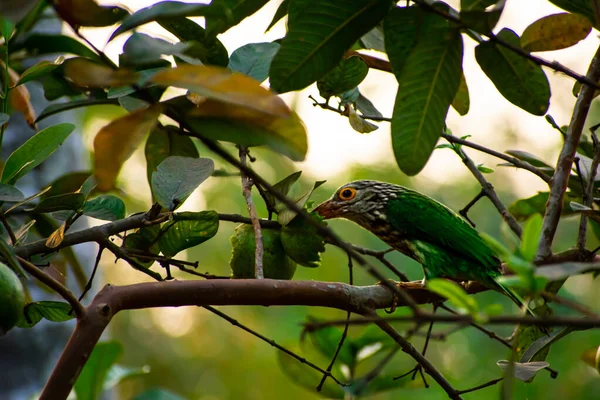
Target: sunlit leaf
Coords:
[[358, 123], [19, 97], [55, 311], [116, 141], [254, 59], [86, 73], [38, 70], [555, 32], [189, 229], [462, 102], [56, 237], [583, 7], [318, 35], [225, 86], [592, 358], [531, 237], [455, 294], [34, 151], [177, 177], [519, 80]]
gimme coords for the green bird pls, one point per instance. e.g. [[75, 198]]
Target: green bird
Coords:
[[421, 228]]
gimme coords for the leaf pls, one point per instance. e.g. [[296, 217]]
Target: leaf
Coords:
[[531, 237], [358, 123], [286, 215], [42, 44], [254, 59], [141, 49], [348, 74], [428, 82], [90, 383], [26, 200], [583, 7], [189, 229], [56, 237], [38, 71], [68, 201], [86, 73], [326, 340], [34, 151], [365, 106], [54, 109], [283, 187], [6, 28], [461, 101], [118, 373], [106, 207], [88, 13], [374, 39], [483, 169], [8, 253], [56, 311], [225, 86], [302, 243], [117, 141], [477, 18], [279, 14], [455, 294], [306, 377], [319, 33], [10, 194], [528, 157], [227, 13], [544, 343], [177, 177], [208, 49], [555, 32], [161, 10], [524, 208], [592, 358], [158, 394], [524, 371], [520, 81], [19, 98], [250, 128], [403, 27], [144, 241]]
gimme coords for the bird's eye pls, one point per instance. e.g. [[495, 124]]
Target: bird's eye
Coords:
[[347, 194]]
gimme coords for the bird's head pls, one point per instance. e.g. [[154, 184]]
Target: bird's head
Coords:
[[358, 200]]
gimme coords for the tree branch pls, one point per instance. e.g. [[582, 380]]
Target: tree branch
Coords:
[[560, 180], [588, 194]]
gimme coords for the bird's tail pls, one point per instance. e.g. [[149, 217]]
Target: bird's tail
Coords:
[[514, 296]]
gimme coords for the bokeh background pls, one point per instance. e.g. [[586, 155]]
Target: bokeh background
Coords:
[[195, 354]]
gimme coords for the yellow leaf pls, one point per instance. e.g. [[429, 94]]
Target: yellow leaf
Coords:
[[19, 98], [358, 123], [86, 73], [223, 85], [117, 141], [555, 32], [56, 238], [462, 102]]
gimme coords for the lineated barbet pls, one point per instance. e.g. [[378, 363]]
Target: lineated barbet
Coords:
[[421, 228]]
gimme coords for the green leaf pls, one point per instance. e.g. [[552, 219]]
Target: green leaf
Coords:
[[306, 377], [106, 207], [466, 5], [6, 28], [54, 109], [143, 241], [9, 255], [41, 44], [158, 394], [348, 74], [302, 243], [530, 158], [177, 177], [189, 229], [38, 71], [428, 82], [481, 20], [544, 343], [519, 80], [118, 373], [403, 27], [531, 237], [286, 215], [207, 49], [68, 201], [279, 14], [555, 32], [455, 294], [141, 49], [34, 151], [55, 311], [283, 187], [161, 10], [583, 7], [90, 383], [482, 168], [319, 33], [326, 340], [227, 13], [69, 183], [462, 102], [524, 371], [365, 106], [254, 59], [524, 208], [10, 194]]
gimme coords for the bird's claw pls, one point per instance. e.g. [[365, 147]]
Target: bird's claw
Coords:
[[395, 299]]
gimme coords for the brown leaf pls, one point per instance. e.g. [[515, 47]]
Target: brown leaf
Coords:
[[117, 141], [87, 13], [57, 237], [86, 73], [223, 85], [555, 32], [19, 97]]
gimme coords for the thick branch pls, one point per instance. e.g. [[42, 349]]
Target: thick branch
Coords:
[[564, 164]]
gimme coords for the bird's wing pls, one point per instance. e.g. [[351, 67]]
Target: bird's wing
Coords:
[[420, 217]]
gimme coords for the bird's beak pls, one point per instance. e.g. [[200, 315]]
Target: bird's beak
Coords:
[[326, 209]]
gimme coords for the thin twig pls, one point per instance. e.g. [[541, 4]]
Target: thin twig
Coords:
[[483, 386], [119, 252], [344, 333], [303, 360], [380, 255], [490, 193], [372, 374], [490, 334], [564, 164], [588, 194], [55, 285], [569, 303], [88, 285], [8, 229], [465, 211], [247, 190]]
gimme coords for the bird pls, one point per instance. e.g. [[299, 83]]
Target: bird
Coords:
[[421, 228]]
